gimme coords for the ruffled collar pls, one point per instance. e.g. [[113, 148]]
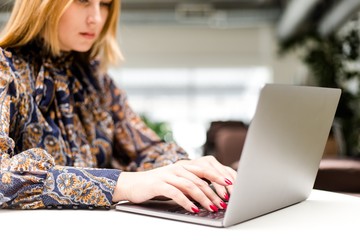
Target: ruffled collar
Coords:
[[38, 50]]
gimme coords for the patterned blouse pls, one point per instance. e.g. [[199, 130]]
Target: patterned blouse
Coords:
[[67, 132]]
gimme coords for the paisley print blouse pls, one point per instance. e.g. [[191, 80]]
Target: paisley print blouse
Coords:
[[67, 132]]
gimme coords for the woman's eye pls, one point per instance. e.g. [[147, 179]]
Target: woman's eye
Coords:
[[105, 4], [83, 1]]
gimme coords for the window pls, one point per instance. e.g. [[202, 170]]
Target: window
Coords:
[[189, 99]]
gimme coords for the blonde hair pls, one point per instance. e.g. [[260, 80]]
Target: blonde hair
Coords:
[[31, 19]]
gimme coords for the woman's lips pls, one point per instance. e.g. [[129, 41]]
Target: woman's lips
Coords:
[[88, 35]]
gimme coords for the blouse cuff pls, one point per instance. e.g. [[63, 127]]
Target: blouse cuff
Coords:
[[79, 187]]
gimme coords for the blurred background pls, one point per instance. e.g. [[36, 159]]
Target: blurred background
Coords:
[[191, 63]]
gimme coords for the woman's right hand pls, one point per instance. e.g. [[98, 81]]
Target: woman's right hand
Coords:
[[182, 182]]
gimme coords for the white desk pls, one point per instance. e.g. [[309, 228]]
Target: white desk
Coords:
[[324, 215]]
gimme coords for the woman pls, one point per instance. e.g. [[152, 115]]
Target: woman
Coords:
[[68, 137]]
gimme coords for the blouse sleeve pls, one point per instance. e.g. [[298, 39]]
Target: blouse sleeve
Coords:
[[136, 145], [30, 179]]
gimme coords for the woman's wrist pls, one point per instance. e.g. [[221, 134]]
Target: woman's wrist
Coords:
[[120, 191]]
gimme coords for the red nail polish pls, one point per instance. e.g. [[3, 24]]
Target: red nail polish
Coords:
[[228, 182], [214, 208], [195, 209], [223, 205], [226, 197]]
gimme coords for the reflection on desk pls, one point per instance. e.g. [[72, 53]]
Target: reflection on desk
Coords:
[[325, 214]]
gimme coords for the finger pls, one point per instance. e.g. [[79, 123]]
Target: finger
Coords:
[[211, 162], [208, 172], [226, 171], [232, 172], [203, 186], [190, 189], [179, 197], [222, 192], [225, 192], [222, 185], [233, 175], [211, 169]]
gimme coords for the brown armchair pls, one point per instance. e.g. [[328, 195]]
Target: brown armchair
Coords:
[[225, 140], [339, 175]]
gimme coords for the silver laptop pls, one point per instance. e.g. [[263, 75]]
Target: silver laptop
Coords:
[[279, 161]]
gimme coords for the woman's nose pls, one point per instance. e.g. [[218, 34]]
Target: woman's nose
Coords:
[[94, 15]]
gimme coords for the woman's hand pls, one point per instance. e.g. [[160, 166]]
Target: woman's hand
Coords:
[[182, 181]]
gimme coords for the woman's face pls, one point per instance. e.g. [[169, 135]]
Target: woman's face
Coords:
[[82, 23]]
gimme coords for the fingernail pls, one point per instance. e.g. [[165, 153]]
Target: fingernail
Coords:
[[195, 210], [228, 182], [223, 205], [226, 197], [214, 208]]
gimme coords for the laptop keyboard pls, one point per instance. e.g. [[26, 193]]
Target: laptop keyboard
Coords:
[[202, 213]]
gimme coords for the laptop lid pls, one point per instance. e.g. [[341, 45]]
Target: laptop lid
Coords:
[[283, 149], [280, 158]]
